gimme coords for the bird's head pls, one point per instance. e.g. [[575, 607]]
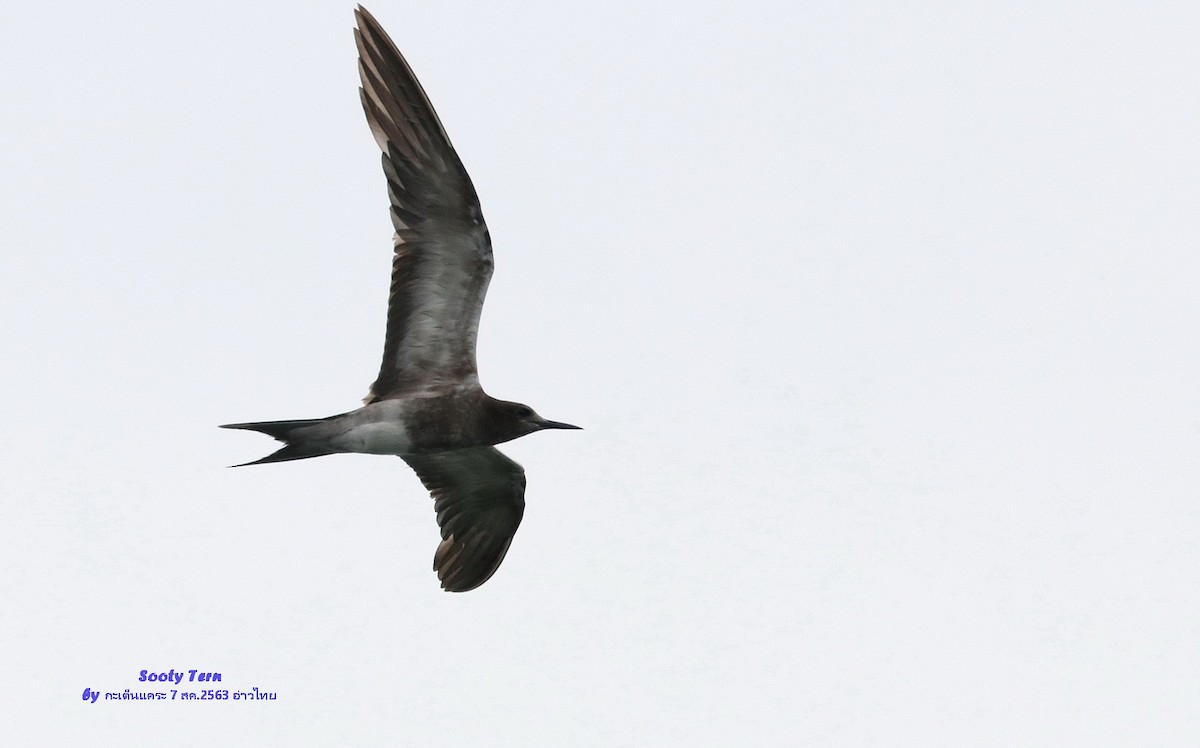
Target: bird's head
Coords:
[[508, 421]]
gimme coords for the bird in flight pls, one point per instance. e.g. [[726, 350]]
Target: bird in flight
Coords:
[[426, 405]]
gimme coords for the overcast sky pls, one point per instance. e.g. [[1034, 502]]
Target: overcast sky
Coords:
[[881, 322]]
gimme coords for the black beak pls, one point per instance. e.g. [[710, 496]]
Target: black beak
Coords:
[[556, 425]]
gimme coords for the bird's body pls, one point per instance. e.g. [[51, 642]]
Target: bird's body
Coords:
[[411, 425], [427, 405]]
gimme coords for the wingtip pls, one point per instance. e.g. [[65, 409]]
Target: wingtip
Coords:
[[361, 14]]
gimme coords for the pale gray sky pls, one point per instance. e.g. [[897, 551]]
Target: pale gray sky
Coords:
[[881, 322]]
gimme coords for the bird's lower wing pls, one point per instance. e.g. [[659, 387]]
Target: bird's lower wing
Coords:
[[479, 496]]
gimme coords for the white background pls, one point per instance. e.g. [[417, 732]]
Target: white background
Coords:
[[880, 318]]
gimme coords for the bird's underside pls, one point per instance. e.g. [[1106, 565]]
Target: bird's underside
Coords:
[[440, 275], [426, 404]]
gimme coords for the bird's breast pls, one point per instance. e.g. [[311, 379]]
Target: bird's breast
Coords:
[[377, 429], [381, 438]]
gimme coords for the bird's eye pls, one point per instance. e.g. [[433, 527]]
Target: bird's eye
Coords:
[[524, 411]]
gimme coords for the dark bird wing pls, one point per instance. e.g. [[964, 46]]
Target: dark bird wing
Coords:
[[479, 496], [443, 259]]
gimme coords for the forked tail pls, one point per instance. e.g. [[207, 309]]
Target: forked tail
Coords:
[[292, 433]]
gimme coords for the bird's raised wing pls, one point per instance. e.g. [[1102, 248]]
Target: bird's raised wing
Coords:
[[443, 259], [479, 496]]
